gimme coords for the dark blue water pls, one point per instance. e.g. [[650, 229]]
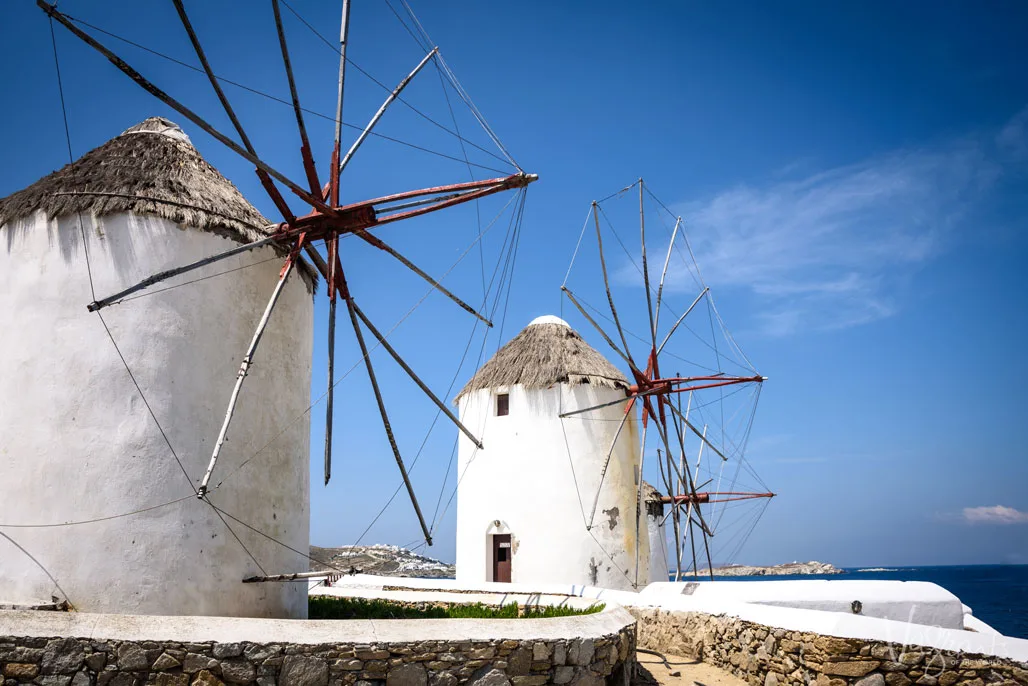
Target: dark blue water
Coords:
[[998, 594]]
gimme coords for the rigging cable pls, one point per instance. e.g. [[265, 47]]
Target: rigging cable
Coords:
[[420, 43], [371, 350], [383, 86], [89, 271], [513, 230], [471, 174], [498, 344], [283, 101], [97, 519], [235, 536]]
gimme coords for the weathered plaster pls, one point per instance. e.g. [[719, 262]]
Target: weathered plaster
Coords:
[[77, 443]]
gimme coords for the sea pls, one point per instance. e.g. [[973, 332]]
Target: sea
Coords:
[[998, 594]]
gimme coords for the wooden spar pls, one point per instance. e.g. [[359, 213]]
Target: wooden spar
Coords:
[[606, 462], [674, 519], [706, 546], [681, 484], [684, 476], [692, 542], [698, 433], [269, 186], [699, 455], [167, 274], [681, 439], [329, 273], [244, 368], [610, 342], [610, 298], [344, 28], [305, 145], [640, 505], [646, 269], [419, 203], [572, 413], [198, 49], [681, 319], [293, 577], [382, 245], [663, 274], [381, 110], [643, 394], [672, 468], [331, 242], [415, 378], [149, 87], [692, 500], [333, 248], [522, 180], [351, 308]]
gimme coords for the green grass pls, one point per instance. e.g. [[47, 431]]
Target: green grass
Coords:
[[328, 607]]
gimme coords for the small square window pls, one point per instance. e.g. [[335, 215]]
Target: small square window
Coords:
[[502, 405]]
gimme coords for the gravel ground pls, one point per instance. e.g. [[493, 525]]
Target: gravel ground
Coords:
[[684, 671]]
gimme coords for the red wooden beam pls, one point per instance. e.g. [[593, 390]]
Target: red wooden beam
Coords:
[[704, 498]]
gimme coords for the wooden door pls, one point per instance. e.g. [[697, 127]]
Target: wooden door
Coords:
[[501, 558]]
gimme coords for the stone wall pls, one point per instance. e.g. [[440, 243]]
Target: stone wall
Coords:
[[67, 661], [766, 656]]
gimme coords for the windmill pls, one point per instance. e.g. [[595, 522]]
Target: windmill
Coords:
[[325, 223], [677, 434]]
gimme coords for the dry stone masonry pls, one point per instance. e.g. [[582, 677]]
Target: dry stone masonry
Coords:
[[765, 656], [69, 661]]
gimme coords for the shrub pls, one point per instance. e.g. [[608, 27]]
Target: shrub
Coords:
[[330, 607]]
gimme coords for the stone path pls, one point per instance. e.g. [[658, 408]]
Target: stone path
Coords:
[[689, 672]]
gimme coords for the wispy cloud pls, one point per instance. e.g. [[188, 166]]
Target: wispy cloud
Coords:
[[1013, 138], [830, 250], [995, 514]]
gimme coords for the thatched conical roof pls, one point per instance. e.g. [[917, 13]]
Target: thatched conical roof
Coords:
[[152, 168], [546, 352]]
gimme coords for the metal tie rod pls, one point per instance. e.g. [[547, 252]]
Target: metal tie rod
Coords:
[[162, 276]]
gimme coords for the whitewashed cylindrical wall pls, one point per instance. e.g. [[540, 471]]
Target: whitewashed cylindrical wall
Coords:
[[660, 552], [77, 442], [538, 478]]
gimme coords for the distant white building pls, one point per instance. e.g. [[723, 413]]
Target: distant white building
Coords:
[[525, 499], [77, 443]]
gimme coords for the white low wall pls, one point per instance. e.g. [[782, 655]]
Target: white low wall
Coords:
[[742, 600], [917, 602], [852, 626]]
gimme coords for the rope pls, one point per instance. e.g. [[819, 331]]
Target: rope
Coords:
[[512, 230], [98, 519], [89, 270], [442, 489], [192, 281], [396, 14], [471, 175], [571, 462], [372, 349], [235, 536], [38, 564], [271, 538], [281, 100], [145, 401], [574, 255], [474, 110], [335, 49], [71, 156], [389, 502], [417, 23]]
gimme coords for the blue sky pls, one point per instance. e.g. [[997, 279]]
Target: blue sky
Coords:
[[853, 179]]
